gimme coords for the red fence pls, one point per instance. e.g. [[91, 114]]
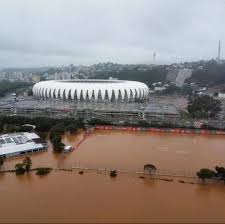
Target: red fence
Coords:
[[163, 130]]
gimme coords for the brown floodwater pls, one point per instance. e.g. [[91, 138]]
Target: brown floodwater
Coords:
[[95, 197], [132, 150]]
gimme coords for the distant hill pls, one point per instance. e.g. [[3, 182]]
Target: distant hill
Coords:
[[156, 74], [36, 70]]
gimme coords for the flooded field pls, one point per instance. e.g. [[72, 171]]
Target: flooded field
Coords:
[[92, 197], [132, 150]]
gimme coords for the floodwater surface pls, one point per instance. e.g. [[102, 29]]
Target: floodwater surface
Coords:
[[132, 150], [95, 197]]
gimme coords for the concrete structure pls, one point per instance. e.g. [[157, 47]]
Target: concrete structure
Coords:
[[20, 143], [182, 75], [92, 90]]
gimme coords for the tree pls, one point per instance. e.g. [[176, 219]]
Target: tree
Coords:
[[71, 128], [211, 74], [149, 169], [27, 164], [58, 146], [220, 173], [205, 174], [20, 170], [1, 161], [113, 173], [43, 171], [203, 107]]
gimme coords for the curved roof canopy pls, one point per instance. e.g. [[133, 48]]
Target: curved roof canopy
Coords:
[[92, 90]]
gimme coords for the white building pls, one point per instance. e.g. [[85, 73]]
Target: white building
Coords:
[[15, 144], [221, 95]]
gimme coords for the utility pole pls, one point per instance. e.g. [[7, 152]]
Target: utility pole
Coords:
[[154, 56], [219, 49]]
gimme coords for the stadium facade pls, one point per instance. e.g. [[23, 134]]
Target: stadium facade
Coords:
[[92, 90]]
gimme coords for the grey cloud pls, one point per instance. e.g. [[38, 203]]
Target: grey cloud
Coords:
[[42, 32]]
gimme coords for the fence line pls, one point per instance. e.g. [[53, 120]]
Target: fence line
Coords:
[[158, 173], [163, 130]]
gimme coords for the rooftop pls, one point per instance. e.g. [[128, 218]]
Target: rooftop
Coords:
[[18, 142]]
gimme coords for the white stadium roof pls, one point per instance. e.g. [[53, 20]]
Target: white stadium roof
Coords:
[[92, 90]]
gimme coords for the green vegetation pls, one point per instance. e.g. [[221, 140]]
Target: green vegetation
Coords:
[[183, 91], [43, 124], [27, 164], [149, 169], [58, 146], [204, 174], [23, 167], [20, 170], [113, 173], [220, 173], [7, 86], [211, 74], [156, 74], [203, 107], [1, 161], [43, 171], [71, 129]]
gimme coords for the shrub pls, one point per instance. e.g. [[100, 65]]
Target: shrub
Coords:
[[113, 173], [43, 171], [20, 170]]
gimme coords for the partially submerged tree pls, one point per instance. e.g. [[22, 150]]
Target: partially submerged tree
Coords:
[[58, 146], [149, 169], [20, 170], [27, 163], [1, 161], [204, 174], [113, 173], [43, 171], [220, 173]]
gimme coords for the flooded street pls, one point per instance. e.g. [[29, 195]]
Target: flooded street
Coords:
[[95, 197]]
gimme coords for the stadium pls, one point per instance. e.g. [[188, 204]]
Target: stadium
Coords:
[[92, 90]]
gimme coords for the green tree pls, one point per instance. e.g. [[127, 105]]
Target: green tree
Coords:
[[27, 164], [58, 146], [149, 169], [220, 173], [204, 174], [211, 74], [71, 128], [43, 171], [1, 161], [20, 170], [203, 107], [113, 173]]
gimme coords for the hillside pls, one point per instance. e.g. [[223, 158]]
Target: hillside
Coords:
[[210, 74], [156, 74]]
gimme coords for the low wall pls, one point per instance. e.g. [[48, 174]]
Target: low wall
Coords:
[[163, 130]]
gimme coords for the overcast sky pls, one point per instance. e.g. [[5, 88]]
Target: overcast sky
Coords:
[[59, 32]]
